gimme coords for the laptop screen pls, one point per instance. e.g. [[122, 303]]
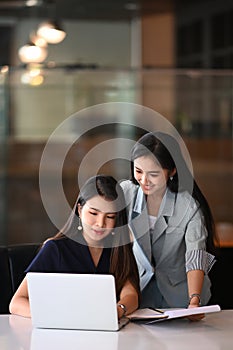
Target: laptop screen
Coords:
[[73, 301]]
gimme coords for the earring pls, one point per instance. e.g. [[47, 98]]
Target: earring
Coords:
[[171, 178], [80, 224], [113, 233]]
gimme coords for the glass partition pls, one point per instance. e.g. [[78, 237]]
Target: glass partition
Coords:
[[35, 102]]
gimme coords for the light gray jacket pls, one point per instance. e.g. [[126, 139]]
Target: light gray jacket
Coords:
[[176, 246]]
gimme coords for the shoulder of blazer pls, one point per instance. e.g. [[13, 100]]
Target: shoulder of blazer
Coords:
[[185, 206], [129, 188], [186, 200], [130, 193]]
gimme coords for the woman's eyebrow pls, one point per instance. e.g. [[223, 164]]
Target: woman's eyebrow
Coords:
[[100, 211], [150, 171], [153, 171], [92, 208]]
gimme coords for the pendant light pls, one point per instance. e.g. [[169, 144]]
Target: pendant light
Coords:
[[51, 31], [30, 53]]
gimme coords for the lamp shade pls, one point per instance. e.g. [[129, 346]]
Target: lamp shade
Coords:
[[37, 40], [51, 31], [31, 53]]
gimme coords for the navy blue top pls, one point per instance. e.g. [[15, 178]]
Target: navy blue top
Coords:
[[68, 256]]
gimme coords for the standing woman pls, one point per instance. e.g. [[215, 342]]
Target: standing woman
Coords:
[[172, 225], [96, 240]]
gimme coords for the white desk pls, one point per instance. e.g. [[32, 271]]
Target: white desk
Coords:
[[215, 332]]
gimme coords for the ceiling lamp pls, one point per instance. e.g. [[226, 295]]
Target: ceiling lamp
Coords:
[[31, 53], [52, 32], [37, 40]]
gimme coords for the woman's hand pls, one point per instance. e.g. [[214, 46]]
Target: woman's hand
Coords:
[[195, 282], [197, 317], [129, 300]]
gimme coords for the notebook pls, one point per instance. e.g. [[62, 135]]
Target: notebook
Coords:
[[149, 316], [73, 301]]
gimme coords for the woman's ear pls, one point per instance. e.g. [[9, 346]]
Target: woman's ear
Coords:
[[173, 172], [79, 209]]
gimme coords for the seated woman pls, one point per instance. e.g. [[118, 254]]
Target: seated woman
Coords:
[[95, 239]]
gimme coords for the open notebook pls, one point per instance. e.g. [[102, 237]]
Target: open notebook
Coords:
[[148, 316], [73, 301]]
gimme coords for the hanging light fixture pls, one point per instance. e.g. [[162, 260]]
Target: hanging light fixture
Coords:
[[51, 31], [31, 53], [37, 40]]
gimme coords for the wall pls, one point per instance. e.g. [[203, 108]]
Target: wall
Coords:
[[158, 43]]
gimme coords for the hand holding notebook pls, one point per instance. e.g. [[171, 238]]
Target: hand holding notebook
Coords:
[[148, 315]]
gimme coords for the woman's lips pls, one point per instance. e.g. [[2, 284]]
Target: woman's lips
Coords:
[[99, 232], [146, 187]]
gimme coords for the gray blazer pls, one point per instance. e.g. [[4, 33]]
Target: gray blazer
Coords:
[[162, 256]]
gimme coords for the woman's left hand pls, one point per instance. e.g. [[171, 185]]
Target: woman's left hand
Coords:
[[196, 317]]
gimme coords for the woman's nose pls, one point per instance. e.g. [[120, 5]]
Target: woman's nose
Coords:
[[100, 221], [144, 179]]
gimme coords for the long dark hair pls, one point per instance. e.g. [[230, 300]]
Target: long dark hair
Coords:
[[167, 152], [122, 263]]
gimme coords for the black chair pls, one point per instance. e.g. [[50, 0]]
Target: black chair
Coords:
[[6, 288], [220, 275], [14, 259], [20, 256]]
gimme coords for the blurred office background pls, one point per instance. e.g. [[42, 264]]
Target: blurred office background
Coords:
[[173, 56]]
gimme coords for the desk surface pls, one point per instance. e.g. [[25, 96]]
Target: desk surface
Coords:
[[215, 332]]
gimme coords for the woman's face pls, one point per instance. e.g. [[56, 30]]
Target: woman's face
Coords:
[[98, 219], [150, 175]]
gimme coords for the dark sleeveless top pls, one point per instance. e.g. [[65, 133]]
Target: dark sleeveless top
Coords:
[[68, 256]]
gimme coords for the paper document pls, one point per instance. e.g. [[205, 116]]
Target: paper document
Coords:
[[153, 315]]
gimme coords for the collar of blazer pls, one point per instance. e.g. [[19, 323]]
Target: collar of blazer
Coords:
[[139, 222], [166, 207]]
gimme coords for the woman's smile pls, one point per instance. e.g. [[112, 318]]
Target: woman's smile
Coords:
[[99, 232]]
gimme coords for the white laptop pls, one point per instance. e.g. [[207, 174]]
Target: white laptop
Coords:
[[73, 301]]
